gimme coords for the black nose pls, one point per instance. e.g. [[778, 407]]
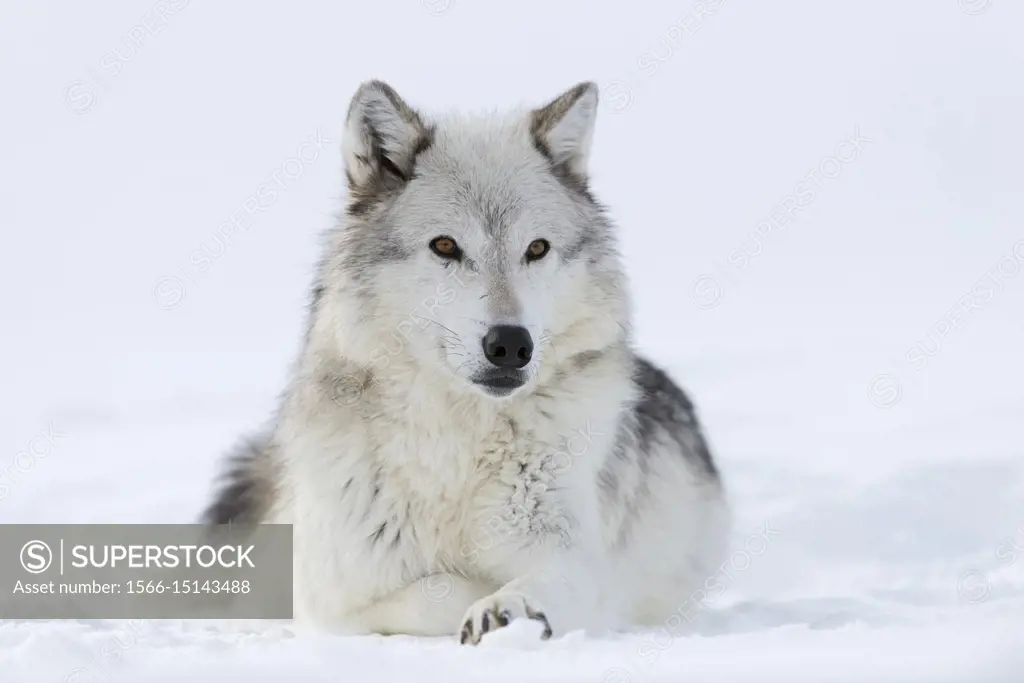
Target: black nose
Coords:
[[508, 346]]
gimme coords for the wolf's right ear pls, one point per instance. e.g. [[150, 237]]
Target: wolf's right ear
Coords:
[[382, 137], [562, 130]]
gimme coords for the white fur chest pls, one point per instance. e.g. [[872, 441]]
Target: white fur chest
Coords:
[[433, 482], [465, 484], [468, 486]]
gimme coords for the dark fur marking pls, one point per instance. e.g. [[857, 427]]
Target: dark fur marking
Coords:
[[583, 360], [391, 167], [373, 246], [315, 296], [247, 491], [548, 116], [586, 240], [391, 176], [609, 481], [498, 215], [361, 206], [577, 363], [379, 533], [573, 182], [663, 415], [665, 410], [424, 142]]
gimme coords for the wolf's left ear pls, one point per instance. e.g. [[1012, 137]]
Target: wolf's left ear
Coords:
[[562, 129], [382, 137]]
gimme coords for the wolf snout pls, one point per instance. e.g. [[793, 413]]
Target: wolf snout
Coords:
[[508, 346]]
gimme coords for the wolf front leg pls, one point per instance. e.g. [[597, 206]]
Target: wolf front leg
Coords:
[[428, 607], [565, 593]]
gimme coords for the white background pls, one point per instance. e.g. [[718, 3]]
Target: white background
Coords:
[[896, 489]]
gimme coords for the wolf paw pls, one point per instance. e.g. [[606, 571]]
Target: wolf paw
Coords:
[[496, 611]]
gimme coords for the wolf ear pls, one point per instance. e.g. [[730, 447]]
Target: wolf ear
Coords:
[[382, 137], [562, 129]]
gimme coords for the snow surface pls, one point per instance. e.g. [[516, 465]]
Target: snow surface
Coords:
[[893, 488]]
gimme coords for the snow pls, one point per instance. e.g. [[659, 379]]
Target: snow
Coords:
[[859, 370]]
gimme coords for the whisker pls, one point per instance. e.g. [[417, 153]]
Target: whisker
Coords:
[[547, 339], [442, 326]]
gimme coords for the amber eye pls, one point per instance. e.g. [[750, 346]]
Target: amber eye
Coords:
[[538, 249], [445, 247]]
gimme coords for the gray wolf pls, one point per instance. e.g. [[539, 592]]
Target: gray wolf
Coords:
[[470, 436]]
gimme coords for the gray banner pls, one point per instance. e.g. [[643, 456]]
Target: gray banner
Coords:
[[145, 571]]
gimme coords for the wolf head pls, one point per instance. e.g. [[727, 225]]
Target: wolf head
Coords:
[[471, 246]]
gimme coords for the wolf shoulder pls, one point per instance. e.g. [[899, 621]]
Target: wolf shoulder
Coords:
[[665, 421]]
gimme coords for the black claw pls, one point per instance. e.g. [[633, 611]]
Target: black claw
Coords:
[[485, 623], [467, 632], [541, 617], [504, 617]]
